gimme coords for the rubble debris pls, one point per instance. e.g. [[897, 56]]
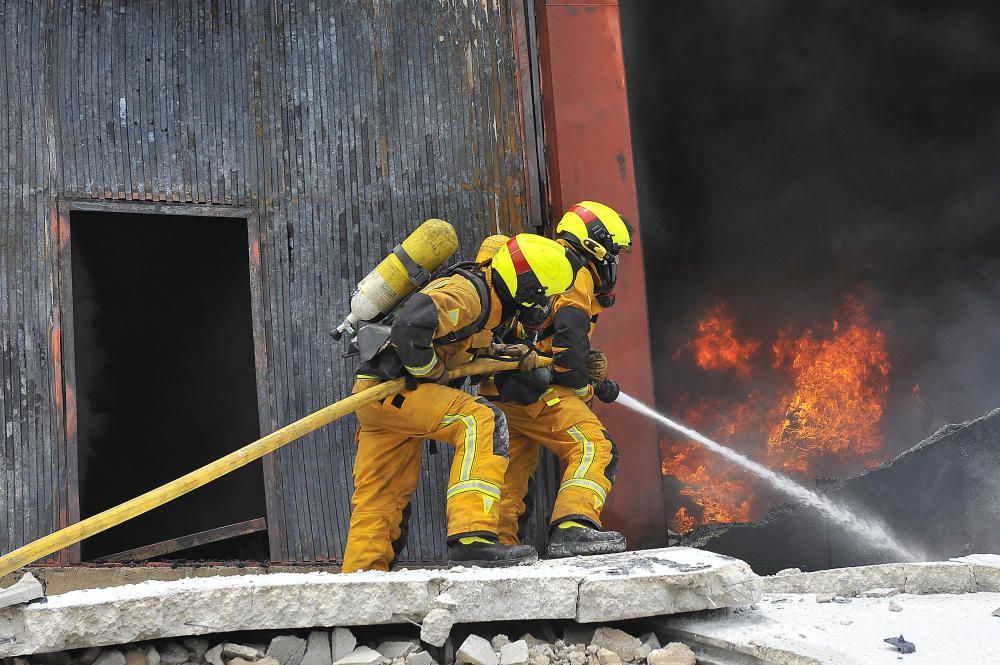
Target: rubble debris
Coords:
[[88, 656], [895, 607], [621, 643], [25, 590], [650, 642], [175, 654], [214, 655], [883, 592], [420, 658], [318, 650], [532, 641], [901, 644], [230, 650], [397, 649], [287, 650], [499, 642], [674, 653], [436, 626], [945, 524], [361, 656], [824, 597], [996, 612], [608, 657], [515, 653], [197, 647], [137, 657], [343, 643], [110, 657], [476, 651]]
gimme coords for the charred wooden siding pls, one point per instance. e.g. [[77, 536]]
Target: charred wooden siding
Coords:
[[343, 123]]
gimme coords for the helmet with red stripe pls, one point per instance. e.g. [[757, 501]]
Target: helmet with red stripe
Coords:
[[600, 234], [530, 270]]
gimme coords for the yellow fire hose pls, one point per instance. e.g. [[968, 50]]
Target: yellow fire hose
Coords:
[[155, 498]]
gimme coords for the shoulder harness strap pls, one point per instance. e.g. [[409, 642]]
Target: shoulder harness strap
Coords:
[[479, 282]]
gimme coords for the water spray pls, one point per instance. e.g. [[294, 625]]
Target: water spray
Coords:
[[877, 534]]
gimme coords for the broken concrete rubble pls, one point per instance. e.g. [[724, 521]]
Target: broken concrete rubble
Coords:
[[674, 653], [515, 653], [397, 649], [342, 643], [962, 458], [287, 650], [111, 657], [476, 651], [361, 656], [318, 651], [25, 590]]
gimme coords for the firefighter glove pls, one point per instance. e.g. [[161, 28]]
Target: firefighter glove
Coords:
[[597, 366], [607, 391], [524, 354]]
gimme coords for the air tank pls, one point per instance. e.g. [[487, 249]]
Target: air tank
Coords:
[[408, 267], [490, 246]]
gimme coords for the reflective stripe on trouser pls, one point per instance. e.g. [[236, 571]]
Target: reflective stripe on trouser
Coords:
[[567, 427], [387, 467]]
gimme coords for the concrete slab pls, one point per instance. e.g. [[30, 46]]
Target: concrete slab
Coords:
[[978, 572], [792, 629], [606, 588]]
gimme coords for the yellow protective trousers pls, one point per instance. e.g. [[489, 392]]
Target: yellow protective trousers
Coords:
[[387, 467], [562, 422]]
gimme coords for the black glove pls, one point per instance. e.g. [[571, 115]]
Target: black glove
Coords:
[[607, 391]]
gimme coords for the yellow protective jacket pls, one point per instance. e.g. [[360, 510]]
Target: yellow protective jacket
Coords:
[[445, 322], [566, 336]]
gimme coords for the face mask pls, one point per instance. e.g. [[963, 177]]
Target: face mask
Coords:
[[535, 315]]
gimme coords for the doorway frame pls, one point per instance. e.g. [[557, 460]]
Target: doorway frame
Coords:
[[64, 349]]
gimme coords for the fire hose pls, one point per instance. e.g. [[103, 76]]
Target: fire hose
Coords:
[[200, 477]]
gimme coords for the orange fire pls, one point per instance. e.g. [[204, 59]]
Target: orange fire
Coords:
[[823, 415], [716, 346]]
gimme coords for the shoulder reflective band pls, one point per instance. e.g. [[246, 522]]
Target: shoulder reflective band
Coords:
[[416, 272], [521, 265]]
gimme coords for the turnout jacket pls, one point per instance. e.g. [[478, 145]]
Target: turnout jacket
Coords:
[[448, 321], [566, 339]]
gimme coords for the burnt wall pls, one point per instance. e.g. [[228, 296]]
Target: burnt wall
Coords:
[[341, 124]]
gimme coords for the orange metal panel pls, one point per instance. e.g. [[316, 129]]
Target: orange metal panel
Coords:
[[588, 140]]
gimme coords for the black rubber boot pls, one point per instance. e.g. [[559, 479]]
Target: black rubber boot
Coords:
[[583, 541], [490, 555]]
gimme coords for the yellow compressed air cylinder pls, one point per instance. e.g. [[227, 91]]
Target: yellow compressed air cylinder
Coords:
[[421, 253], [490, 246]]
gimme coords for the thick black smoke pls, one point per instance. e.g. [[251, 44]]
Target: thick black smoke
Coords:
[[790, 152]]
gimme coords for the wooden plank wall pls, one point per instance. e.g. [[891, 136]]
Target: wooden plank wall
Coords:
[[344, 123]]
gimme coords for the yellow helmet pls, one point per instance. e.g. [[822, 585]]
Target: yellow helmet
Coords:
[[532, 269], [491, 245], [596, 229]]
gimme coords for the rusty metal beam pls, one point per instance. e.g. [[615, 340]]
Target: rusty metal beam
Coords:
[[589, 147], [187, 542]]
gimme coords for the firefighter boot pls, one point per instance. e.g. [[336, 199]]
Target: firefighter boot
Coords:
[[487, 553], [571, 538]]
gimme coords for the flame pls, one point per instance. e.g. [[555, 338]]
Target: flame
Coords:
[[716, 346], [826, 392], [834, 409]]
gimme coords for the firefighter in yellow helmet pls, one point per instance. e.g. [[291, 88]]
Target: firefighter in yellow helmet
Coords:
[[447, 323], [551, 408]]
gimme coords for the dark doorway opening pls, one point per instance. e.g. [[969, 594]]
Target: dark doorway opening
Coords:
[[165, 376]]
